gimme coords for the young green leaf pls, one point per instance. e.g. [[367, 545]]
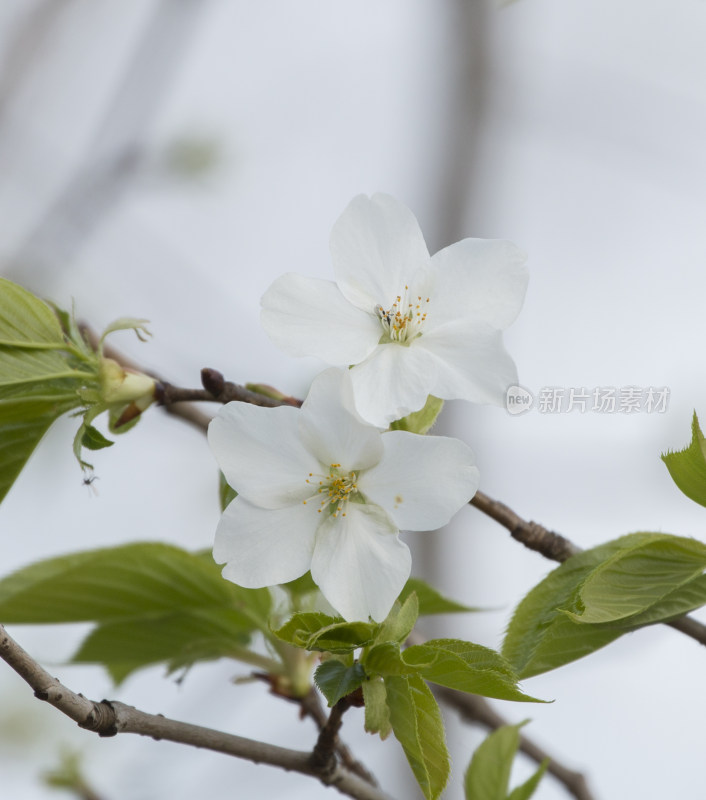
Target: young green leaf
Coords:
[[634, 579], [525, 790], [386, 659], [417, 725], [336, 679], [467, 667], [430, 600], [540, 636], [93, 439], [317, 631], [377, 713], [400, 621], [488, 774], [688, 467]]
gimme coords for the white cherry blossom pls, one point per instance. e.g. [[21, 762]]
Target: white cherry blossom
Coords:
[[411, 324], [321, 490]]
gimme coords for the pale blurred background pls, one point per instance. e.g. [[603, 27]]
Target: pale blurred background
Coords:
[[168, 159]]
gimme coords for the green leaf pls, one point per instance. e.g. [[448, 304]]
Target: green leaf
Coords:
[[386, 659], [321, 632], [420, 421], [93, 439], [417, 725], [118, 583], [488, 774], [688, 467], [400, 621], [336, 679], [634, 579], [467, 667], [39, 376], [25, 320], [23, 422], [431, 601], [540, 636], [377, 713], [180, 639], [525, 790], [154, 602]]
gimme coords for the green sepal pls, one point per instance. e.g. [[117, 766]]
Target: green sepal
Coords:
[[688, 467], [418, 727], [336, 679], [420, 421], [321, 632]]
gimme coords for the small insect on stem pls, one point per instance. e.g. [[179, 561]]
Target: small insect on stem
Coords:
[[88, 481]]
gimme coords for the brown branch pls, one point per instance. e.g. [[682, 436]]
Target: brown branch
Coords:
[[311, 706], [323, 757], [556, 547], [551, 545], [109, 718]]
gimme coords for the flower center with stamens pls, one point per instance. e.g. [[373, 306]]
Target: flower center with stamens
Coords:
[[333, 491], [404, 320]]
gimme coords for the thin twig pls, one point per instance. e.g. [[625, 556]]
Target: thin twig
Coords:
[[556, 547], [109, 718], [323, 757], [311, 706]]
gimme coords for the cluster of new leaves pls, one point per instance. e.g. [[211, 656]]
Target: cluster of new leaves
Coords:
[[368, 656]]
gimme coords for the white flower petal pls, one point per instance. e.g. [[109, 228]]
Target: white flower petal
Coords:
[[421, 481], [359, 562], [394, 381], [332, 432], [310, 317], [376, 247], [471, 363], [260, 453], [481, 279], [263, 547]]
